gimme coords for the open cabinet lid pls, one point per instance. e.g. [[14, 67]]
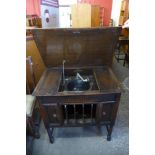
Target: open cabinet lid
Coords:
[[78, 46]]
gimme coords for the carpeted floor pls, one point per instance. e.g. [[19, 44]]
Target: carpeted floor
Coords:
[[84, 141]]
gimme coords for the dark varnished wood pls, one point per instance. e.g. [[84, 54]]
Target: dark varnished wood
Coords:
[[106, 79], [79, 47], [32, 122], [50, 81], [90, 50]]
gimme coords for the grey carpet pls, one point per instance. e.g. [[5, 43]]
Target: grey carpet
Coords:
[[84, 141]]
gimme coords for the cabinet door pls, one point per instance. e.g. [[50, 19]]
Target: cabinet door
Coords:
[[54, 114], [104, 112]]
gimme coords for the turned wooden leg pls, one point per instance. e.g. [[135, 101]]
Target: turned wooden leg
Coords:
[[50, 134], [109, 129], [30, 126]]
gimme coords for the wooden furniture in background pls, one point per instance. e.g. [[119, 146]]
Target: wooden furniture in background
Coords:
[[39, 67], [30, 77], [102, 12], [32, 108], [124, 12], [85, 15], [95, 16], [33, 20], [122, 51]]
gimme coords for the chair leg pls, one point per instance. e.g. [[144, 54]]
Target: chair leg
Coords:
[[36, 120], [33, 127], [124, 62], [126, 59]]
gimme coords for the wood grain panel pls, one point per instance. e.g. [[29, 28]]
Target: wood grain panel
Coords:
[[106, 79], [32, 50], [79, 47], [81, 15], [95, 16]]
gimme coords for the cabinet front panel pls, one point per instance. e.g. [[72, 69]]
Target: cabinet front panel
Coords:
[[104, 112], [78, 99], [54, 114]]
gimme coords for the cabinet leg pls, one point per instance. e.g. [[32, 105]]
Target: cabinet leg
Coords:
[[109, 130], [50, 134]]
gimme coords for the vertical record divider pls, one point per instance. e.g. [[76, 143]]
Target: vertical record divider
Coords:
[[66, 112], [75, 113], [91, 113], [83, 112]]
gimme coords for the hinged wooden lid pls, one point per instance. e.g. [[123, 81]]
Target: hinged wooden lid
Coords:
[[79, 47]]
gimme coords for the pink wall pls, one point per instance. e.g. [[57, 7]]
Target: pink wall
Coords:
[[33, 7], [106, 4]]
